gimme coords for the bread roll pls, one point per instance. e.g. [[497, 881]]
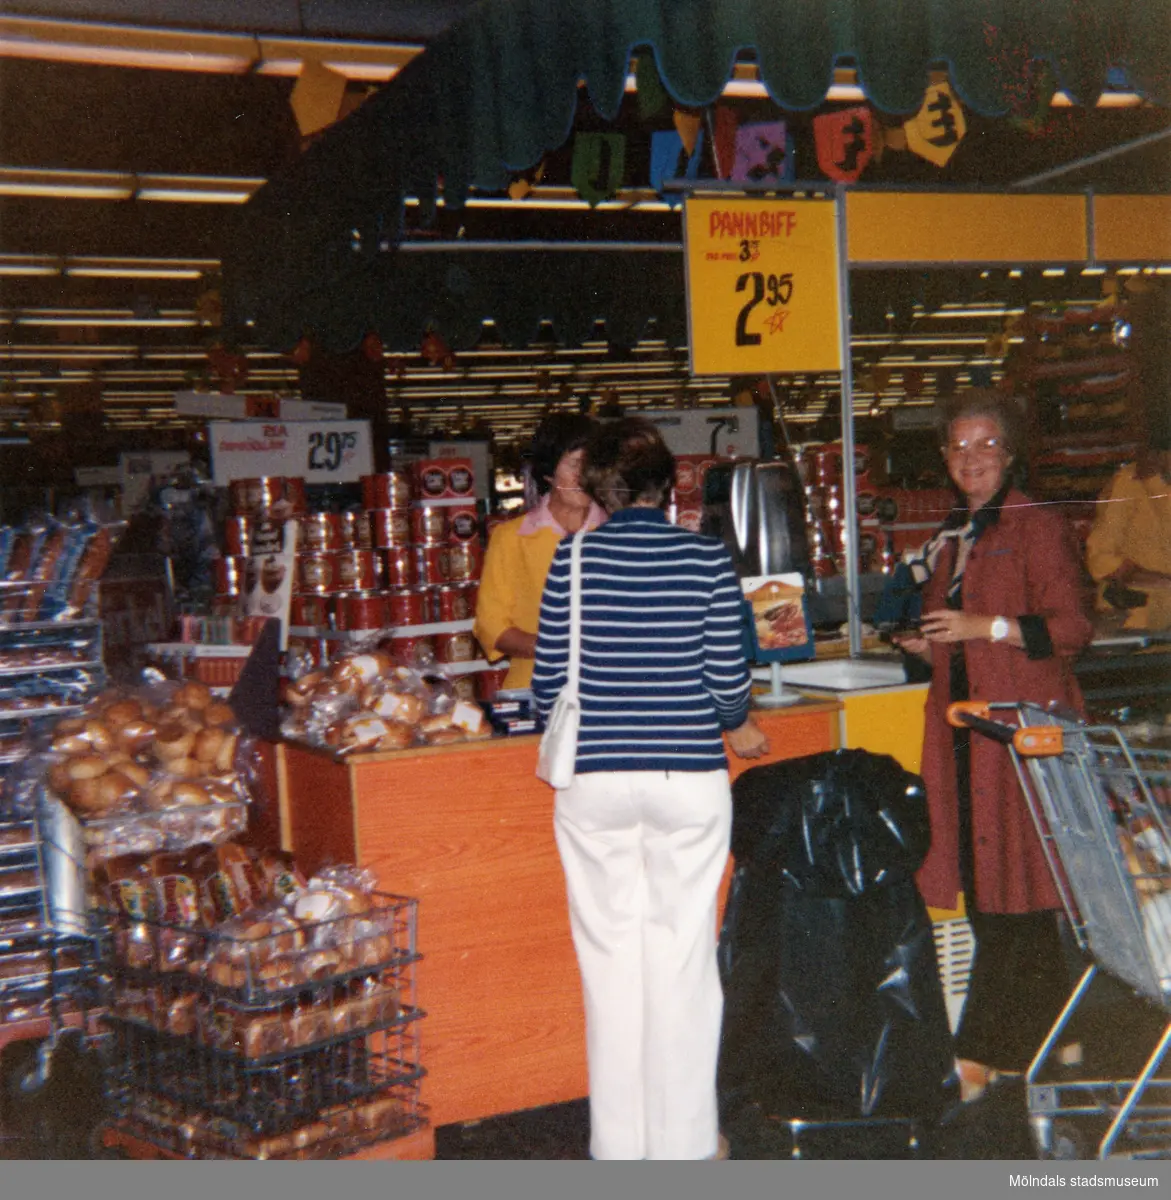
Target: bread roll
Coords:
[[227, 753], [444, 736], [135, 772], [300, 690], [399, 706], [219, 713], [84, 797], [70, 743], [88, 766], [173, 741], [397, 737], [193, 694], [189, 794], [184, 768], [135, 735], [114, 788], [59, 777], [121, 713], [207, 745]]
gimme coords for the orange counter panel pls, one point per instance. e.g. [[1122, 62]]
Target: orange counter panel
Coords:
[[468, 831]]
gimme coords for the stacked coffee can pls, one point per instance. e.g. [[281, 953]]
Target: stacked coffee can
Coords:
[[259, 507]]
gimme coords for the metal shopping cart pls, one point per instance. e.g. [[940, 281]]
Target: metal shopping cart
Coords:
[[1102, 807]]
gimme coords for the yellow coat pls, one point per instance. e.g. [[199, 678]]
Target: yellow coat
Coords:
[[1133, 521], [515, 567]]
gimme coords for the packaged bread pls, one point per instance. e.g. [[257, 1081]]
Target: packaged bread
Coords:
[[249, 1033]]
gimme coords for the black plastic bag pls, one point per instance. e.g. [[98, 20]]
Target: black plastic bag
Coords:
[[833, 1004]]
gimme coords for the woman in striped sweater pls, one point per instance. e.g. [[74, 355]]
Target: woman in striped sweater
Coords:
[[643, 829]]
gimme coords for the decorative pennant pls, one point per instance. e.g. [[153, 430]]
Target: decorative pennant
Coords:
[[671, 160], [317, 97], [764, 154], [599, 161], [845, 142], [652, 96], [372, 348], [688, 126], [724, 140], [913, 380], [945, 381], [435, 350], [524, 183], [938, 127]]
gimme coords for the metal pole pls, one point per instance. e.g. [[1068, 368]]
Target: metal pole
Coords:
[[849, 479]]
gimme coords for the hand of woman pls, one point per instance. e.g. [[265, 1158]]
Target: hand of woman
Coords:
[[748, 741], [913, 643], [516, 643], [952, 625]]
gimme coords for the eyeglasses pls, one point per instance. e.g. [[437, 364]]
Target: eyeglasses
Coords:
[[981, 446]]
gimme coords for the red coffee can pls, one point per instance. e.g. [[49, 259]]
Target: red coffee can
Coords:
[[390, 490], [431, 479], [407, 606], [317, 573], [390, 527], [460, 479], [432, 564], [356, 531], [413, 651], [246, 496], [428, 523], [463, 523], [320, 531], [360, 610], [238, 535], [450, 603], [229, 575], [224, 606], [489, 682], [471, 590], [357, 570], [827, 465], [455, 647], [309, 611], [464, 687], [399, 566], [464, 561]]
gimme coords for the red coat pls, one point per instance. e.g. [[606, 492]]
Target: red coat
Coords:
[[1025, 563]]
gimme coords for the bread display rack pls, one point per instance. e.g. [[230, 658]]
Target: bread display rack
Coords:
[[48, 670], [289, 1042]]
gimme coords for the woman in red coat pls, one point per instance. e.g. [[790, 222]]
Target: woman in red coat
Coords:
[[1003, 620]]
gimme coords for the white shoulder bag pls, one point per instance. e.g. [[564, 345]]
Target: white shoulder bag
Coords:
[[557, 756]]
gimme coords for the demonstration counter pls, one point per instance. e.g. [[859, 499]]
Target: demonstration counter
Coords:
[[468, 830]]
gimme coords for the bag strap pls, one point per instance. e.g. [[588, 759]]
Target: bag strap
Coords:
[[574, 666]]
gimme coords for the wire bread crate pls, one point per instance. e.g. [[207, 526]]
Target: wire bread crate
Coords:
[[1102, 807], [266, 1037]]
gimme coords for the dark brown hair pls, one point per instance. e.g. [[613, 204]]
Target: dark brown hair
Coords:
[[558, 434], [628, 463]]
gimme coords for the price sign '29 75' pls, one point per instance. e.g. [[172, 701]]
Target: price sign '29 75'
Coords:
[[762, 285]]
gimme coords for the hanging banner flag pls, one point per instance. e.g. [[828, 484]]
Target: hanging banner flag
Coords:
[[687, 126], [845, 142], [762, 285], [764, 154], [670, 160], [652, 96], [724, 144], [938, 127], [599, 161]]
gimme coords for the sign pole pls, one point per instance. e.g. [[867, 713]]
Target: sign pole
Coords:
[[849, 475]]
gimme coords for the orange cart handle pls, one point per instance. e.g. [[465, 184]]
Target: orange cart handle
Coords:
[[961, 712], [1039, 741]]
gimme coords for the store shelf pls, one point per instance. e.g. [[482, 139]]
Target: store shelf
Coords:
[[14, 672], [347, 635], [198, 650]]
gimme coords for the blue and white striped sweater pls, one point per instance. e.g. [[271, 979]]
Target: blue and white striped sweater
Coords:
[[662, 668]]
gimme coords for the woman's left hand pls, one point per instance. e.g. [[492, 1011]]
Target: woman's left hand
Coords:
[[952, 625], [748, 741]]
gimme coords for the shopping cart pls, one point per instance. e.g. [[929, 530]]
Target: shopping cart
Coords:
[[1102, 807]]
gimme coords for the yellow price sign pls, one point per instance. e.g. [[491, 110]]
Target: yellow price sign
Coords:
[[762, 285]]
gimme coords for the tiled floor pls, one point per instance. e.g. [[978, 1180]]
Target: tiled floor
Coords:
[[60, 1120]]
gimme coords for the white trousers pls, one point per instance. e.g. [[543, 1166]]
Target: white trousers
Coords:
[[644, 852]]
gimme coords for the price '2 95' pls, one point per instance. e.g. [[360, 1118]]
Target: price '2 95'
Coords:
[[327, 450], [772, 289]]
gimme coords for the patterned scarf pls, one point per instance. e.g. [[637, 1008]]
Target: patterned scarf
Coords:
[[964, 529]]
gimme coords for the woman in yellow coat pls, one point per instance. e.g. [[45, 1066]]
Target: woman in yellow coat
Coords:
[[520, 550]]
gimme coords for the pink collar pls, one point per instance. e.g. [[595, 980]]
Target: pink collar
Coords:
[[542, 518]]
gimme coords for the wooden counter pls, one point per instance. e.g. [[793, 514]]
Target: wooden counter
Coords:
[[468, 830]]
